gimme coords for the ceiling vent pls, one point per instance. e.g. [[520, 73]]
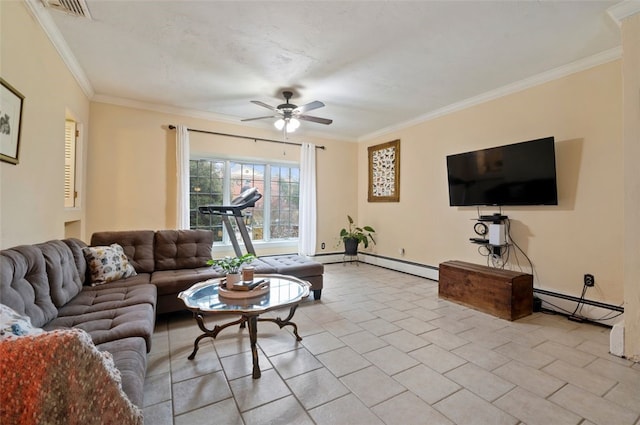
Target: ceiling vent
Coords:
[[71, 7]]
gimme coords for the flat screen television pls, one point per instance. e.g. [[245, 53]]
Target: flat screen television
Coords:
[[516, 174]]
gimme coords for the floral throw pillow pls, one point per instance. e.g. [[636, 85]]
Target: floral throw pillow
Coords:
[[13, 325], [107, 263]]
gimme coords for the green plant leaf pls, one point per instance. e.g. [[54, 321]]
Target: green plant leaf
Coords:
[[357, 233], [231, 264]]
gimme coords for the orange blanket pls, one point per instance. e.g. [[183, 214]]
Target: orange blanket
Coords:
[[60, 377]]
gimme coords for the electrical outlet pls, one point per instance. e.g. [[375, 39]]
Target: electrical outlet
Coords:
[[589, 280], [322, 245]]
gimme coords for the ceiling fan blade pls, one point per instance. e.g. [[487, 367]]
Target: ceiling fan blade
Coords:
[[259, 118], [309, 107], [264, 105], [314, 119]]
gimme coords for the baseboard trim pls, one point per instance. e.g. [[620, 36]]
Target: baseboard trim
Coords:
[[576, 299], [404, 266], [594, 312]]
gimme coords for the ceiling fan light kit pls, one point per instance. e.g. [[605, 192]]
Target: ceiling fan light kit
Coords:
[[289, 115], [289, 124]]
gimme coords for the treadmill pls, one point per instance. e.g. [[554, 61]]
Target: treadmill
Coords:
[[246, 199]]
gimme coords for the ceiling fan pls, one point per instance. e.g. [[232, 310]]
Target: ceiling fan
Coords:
[[289, 114]]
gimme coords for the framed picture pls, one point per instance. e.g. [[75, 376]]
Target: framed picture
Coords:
[[384, 172], [10, 121]]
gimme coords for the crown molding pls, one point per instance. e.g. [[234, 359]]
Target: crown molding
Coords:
[[554, 74], [623, 10], [208, 116], [38, 11], [156, 107]]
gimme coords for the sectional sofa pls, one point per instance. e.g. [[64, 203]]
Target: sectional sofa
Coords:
[[47, 284], [176, 259], [54, 284]]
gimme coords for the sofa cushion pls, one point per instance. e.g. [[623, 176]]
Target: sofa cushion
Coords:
[[24, 285], [107, 264], [76, 245], [294, 265], [111, 325], [174, 281], [108, 297], [131, 361], [64, 280], [137, 245], [260, 267], [182, 249]]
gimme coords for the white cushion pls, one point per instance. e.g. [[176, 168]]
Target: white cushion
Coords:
[[107, 263]]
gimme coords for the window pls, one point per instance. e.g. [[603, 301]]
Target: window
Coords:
[[285, 190], [70, 136], [217, 182]]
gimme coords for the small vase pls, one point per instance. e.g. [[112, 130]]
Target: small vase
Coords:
[[232, 279]]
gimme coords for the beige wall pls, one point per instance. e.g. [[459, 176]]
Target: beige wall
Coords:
[[31, 193], [583, 234], [132, 171], [631, 75]]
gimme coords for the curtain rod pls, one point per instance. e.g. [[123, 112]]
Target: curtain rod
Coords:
[[255, 139]]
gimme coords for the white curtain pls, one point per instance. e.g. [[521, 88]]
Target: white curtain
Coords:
[[307, 213], [182, 174]]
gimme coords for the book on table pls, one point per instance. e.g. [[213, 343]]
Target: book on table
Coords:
[[248, 286]]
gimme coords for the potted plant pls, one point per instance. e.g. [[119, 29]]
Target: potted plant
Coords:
[[353, 235], [231, 265]]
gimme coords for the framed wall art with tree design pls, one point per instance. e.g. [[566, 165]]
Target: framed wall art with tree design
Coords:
[[10, 120], [384, 172]]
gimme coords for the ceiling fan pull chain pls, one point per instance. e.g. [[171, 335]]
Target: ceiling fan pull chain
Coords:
[[284, 139]]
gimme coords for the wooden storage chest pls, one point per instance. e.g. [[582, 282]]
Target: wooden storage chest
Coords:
[[502, 293]]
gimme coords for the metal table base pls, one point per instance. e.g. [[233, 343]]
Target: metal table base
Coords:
[[251, 321]]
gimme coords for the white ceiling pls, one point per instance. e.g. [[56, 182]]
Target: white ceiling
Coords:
[[375, 64]]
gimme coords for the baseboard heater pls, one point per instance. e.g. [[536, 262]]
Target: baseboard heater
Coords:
[[401, 261], [579, 300], [369, 254]]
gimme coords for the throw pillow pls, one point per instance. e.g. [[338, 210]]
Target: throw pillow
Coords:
[[107, 263], [14, 325]]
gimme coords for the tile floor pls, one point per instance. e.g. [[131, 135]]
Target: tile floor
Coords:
[[381, 348]]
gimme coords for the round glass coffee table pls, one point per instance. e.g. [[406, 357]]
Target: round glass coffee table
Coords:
[[205, 299]]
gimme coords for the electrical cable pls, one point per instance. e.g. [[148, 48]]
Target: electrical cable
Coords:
[[607, 318], [620, 313], [480, 248], [533, 271], [553, 305], [510, 242], [586, 319], [584, 291]]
